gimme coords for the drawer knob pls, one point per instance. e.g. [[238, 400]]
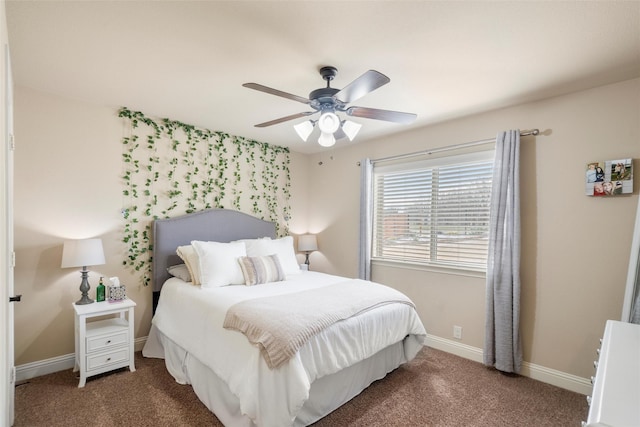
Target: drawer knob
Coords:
[[108, 341], [108, 359]]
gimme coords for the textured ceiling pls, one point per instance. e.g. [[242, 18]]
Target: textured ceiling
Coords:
[[187, 60]]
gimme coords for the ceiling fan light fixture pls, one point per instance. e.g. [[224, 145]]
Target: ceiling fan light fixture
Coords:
[[329, 122], [326, 139], [328, 100], [304, 129], [351, 129]]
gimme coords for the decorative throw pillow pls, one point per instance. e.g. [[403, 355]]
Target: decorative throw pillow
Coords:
[[219, 263], [261, 269], [282, 247], [180, 271], [189, 255]]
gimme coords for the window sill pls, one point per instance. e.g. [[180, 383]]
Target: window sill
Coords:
[[430, 268]]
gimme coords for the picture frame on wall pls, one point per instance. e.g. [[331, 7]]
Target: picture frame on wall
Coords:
[[609, 178]]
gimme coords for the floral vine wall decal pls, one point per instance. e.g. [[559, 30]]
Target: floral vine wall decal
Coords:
[[172, 168]]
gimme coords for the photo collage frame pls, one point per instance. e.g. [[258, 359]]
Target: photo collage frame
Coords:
[[609, 178]]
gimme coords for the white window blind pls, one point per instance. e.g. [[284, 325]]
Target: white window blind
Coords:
[[434, 212]]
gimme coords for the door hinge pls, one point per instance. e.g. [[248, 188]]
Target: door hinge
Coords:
[[12, 142], [12, 379], [13, 259]]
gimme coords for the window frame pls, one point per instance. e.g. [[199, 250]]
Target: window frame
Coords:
[[485, 157]]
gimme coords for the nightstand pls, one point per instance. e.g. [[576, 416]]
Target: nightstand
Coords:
[[107, 344]]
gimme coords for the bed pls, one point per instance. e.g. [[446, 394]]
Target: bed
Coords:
[[244, 372]]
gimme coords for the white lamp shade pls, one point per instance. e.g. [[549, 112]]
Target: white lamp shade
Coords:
[[304, 129], [326, 139], [307, 243], [328, 122], [351, 129], [82, 253]]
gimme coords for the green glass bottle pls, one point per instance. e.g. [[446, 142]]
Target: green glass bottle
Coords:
[[100, 291]]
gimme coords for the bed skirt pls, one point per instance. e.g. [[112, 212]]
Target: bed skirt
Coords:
[[326, 393]]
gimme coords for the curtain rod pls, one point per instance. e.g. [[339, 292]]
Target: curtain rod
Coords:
[[449, 147]]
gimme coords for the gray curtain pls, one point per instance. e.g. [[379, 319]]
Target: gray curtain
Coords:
[[366, 219], [502, 348]]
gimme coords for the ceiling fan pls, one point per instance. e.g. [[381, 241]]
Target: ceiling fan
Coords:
[[328, 101]]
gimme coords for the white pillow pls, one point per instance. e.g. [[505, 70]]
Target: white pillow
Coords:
[[188, 254], [251, 244], [282, 247], [219, 263]]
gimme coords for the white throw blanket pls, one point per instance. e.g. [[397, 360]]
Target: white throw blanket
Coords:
[[280, 325]]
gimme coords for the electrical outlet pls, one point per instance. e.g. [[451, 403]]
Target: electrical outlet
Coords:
[[457, 332]]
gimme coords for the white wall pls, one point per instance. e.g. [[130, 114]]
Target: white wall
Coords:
[[575, 248], [68, 177]]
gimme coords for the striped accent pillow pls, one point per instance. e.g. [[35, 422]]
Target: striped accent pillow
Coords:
[[261, 269]]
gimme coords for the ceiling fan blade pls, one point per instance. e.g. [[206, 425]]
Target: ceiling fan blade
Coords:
[[284, 119], [368, 82], [387, 115], [276, 92]]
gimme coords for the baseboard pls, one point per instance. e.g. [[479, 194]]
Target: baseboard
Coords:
[[536, 372], [138, 343], [531, 370], [557, 378], [56, 364], [454, 347], [44, 367]]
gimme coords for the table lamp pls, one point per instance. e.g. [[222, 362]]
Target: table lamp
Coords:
[[81, 253], [307, 243]]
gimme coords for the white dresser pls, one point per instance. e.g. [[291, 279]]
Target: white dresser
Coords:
[[615, 400]]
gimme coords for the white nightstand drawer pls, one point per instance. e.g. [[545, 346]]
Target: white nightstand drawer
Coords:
[[106, 341], [109, 358]]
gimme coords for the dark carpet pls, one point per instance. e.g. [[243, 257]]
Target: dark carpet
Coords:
[[435, 389]]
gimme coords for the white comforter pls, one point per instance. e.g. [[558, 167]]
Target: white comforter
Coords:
[[192, 317]]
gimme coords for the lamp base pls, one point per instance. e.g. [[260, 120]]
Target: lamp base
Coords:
[[84, 300], [84, 288]]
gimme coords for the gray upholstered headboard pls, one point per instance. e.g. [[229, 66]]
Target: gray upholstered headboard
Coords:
[[218, 225]]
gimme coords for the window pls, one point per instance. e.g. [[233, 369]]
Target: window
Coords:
[[434, 212]]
